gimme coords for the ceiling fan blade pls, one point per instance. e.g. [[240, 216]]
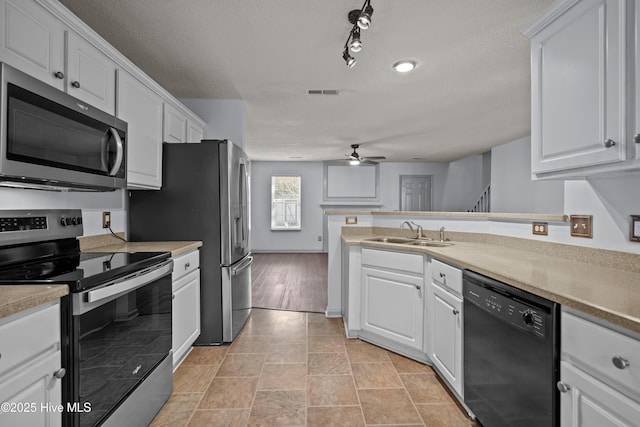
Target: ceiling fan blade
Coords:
[[376, 157]]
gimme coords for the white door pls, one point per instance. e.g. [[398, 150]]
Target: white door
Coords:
[[415, 192], [91, 74], [590, 403], [445, 322], [578, 95], [32, 40], [393, 306], [141, 108]]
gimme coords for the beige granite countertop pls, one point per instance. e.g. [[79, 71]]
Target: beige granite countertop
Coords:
[[497, 216], [15, 298], [612, 294], [109, 243]]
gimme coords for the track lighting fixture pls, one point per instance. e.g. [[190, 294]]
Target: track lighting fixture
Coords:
[[364, 20], [356, 44], [360, 19], [348, 59]]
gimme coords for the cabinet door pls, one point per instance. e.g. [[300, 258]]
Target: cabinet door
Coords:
[[636, 129], [141, 108], [578, 94], [175, 125], [91, 74], [393, 306], [186, 315], [194, 132], [590, 403], [33, 395], [445, 323], [32, 40]]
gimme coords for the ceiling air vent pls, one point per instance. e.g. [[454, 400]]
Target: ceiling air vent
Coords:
[[323, 92]]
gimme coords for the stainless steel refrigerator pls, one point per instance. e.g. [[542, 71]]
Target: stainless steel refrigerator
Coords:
[[205, 196]]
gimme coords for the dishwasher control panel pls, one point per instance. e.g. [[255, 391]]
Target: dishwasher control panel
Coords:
[[508, 308]]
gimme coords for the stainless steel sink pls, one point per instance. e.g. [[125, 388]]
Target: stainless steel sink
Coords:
[[430, 243], [402, 240]]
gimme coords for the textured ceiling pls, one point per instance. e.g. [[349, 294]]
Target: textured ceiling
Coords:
[[469, 92]]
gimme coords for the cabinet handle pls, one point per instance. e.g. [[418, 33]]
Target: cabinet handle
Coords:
[[187, 265], [59, 75], [60, 373], [442, 275], [609, 143], [636, 138], [173, 296], [455, 312], [563, 387], [76, 84], [620, 362]]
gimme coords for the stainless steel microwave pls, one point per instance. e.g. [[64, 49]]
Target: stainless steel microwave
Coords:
[[51, 140]]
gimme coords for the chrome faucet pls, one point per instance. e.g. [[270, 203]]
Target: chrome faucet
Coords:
[[418, 227], [442, 234]]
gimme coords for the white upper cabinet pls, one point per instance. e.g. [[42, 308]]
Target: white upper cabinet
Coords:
[[91, 74], [141, 108], [195, 132], [175, 125], [178, 127], [32, 40], [580, 68]]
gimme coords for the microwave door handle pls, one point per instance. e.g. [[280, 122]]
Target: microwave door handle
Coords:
[[119, 152]]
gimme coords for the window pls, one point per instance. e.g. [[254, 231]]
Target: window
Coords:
[[285, 203]]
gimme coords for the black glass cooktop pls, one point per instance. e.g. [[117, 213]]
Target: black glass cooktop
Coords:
[[81, 270]]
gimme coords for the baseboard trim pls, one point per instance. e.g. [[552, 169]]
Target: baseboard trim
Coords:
[[288, 251], [333, 313]]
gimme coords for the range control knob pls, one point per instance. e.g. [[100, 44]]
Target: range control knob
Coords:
[[527, 318], [62, 222], [74, 221]]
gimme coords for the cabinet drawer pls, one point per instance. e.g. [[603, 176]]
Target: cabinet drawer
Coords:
[[185, 264], [594, 347], [413, 263], [447, 276], [37, 332]]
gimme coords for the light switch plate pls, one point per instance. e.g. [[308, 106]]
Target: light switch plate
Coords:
[[582, 226], [350, 219], [540, 228], [635, 228]]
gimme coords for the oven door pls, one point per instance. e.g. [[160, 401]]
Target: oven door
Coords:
[[51, 137], [121, 332]]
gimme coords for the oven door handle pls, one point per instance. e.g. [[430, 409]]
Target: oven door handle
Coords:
[[130, 283]]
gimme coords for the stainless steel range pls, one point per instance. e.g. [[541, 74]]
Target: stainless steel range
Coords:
[[116, 321]]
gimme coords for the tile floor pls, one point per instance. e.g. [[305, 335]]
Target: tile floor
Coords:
[[289, 368]]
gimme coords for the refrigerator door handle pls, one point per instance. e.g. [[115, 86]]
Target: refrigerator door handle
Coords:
[[243, 266]]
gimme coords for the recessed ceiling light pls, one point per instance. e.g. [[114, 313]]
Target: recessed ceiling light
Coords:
[[404, 66]]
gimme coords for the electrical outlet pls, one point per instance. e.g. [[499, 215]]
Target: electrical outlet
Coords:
[[540, 228], [319, 238], [106, 219]]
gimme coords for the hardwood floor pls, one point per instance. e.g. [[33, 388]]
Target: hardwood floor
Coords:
[[290, 281]]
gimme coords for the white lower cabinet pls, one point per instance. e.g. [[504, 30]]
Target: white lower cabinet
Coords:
[[446, 334], [599, 374], [186, 305], [30, 384], [393, 301], [444, 320], [591, 403]]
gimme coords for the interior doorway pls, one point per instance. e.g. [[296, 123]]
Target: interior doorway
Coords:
[[415, 192]]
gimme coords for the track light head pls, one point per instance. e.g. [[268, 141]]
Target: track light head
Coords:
[[356, 43], [364, 20], [348, 59]]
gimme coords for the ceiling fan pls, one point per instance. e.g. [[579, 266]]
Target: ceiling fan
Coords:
[[355, 158]]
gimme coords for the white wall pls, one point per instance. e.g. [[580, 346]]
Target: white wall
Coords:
[[92, 205], [464, 184], [512, 189], [304, 240], [224, 118]]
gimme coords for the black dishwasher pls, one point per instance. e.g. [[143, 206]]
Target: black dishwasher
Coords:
[[511, 362]]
